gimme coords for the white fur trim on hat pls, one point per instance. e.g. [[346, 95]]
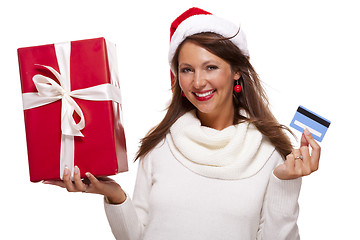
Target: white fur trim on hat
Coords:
[[207, 23]]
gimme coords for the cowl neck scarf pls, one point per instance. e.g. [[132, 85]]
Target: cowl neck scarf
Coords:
[[236, 152]]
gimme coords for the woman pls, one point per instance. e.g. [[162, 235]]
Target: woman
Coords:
[[214, 167]]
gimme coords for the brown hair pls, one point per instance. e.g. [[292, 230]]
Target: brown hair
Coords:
[[252, 98]]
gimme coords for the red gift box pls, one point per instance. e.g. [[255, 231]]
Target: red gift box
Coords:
[[72, 103]]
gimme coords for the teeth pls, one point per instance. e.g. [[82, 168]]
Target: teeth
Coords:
[[204, 94]]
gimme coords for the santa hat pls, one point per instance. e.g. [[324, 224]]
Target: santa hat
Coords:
[[196, 20]]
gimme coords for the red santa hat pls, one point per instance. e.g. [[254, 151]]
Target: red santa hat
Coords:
[[196, 20]]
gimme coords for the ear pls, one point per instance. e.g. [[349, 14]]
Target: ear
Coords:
[[237, 75]]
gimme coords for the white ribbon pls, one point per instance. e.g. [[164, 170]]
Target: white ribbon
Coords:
[[50, 91]]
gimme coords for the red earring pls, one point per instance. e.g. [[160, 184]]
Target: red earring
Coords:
[[182, 93], [237, 87]]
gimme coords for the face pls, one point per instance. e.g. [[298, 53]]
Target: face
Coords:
[[206, 80]]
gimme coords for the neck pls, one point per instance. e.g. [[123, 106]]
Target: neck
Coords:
[[216, 121]]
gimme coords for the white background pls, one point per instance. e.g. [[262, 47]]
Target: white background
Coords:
[[306, 52]]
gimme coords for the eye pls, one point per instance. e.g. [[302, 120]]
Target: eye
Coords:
[[185, 70], [212, 67]]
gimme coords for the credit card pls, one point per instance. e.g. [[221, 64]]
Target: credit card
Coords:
[[316, 124]]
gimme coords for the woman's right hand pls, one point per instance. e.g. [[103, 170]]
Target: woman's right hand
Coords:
[[103, 185]]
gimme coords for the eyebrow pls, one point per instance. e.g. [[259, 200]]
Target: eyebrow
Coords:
[[184, 65], [203, 64]]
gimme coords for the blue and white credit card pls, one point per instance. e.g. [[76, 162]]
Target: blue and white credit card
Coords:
[[317, 125]]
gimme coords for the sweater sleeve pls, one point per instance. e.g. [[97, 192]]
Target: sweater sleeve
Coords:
[[280, 210], [128, 220]]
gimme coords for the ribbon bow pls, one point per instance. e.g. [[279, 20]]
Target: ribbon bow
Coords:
[[50, 91]]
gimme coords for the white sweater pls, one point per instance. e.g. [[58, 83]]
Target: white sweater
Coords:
[[173, 201]]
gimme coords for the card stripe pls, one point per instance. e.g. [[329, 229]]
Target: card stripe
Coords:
[[313, 117], [313, 131]]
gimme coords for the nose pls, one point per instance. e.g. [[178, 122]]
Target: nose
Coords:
[[199, 80]]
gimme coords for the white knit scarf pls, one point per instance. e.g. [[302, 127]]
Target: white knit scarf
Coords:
[[236, 152]]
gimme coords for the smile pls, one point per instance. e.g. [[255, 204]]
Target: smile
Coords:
[[204, 96]]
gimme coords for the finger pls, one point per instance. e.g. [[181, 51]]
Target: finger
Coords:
[[294, 163], [302, 161], [80, 186], [92, 178], [299, 167], [67, 181], [303, 141], [316, 150], [94, 183], [290, 162], [294, 166], [296, 153], [306, 160]]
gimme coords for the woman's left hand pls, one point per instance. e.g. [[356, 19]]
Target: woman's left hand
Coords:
[[300, 162]]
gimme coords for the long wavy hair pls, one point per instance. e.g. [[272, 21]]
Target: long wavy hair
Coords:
[[252, 99]]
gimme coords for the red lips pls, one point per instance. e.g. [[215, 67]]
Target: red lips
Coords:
[[204, 95]]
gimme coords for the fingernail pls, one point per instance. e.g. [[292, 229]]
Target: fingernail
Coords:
[[66, 171], [307, 132], [76, 170], [87, 174]]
